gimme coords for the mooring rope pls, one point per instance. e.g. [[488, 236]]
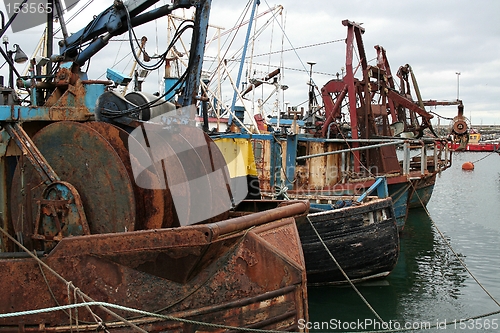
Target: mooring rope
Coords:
[[433, 326], [482, 158], [88, 302], [453, 251], [344, 273], [128, 309]]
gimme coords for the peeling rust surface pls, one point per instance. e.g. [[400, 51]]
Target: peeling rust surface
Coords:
[[83, 158], [239, 279], [284, 237], [150, 203]]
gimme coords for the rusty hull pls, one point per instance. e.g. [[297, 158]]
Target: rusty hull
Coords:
[[235, 272]]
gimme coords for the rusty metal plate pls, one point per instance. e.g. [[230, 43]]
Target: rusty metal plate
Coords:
[[150, 202], [82, 157], [167, 171], [215, 172], [248, 278]]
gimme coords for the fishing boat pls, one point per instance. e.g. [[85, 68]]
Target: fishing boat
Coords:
[[344, 238], [365, 128], [242, 272], [475, 143], [118, 216], [362, 237]]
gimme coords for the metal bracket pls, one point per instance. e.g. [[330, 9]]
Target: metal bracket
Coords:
[[29, 150], [60, 209]]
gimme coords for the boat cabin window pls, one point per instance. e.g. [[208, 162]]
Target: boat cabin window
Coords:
[[301, 151], [258, 151]]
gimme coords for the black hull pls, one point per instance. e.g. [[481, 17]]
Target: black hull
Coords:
[[363, 239]]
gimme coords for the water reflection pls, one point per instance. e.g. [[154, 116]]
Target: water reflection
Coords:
[[428, 283], [426, 276], [430, 279]]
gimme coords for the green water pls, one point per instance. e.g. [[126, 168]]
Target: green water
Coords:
[[429, 285]]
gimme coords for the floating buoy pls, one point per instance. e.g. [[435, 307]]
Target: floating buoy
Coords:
[[468, 166]]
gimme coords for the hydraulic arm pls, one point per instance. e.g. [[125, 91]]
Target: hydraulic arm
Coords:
[[113, 21]]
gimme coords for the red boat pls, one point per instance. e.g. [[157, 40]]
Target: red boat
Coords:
[[475, 144]]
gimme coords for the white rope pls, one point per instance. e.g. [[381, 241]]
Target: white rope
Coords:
[[58, 276], [124, 308]]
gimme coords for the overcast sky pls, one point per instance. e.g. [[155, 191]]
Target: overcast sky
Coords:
[[438, 38]]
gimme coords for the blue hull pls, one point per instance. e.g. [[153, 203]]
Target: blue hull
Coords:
[[400, 193]]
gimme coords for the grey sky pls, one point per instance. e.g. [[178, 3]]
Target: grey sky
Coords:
[[437, 38]]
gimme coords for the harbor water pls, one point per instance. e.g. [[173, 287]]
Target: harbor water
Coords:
[[430, 286]]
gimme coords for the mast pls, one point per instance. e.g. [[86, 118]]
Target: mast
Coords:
[[245, 45], [49, 36]]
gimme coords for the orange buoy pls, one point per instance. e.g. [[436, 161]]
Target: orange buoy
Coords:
[[468, 166]]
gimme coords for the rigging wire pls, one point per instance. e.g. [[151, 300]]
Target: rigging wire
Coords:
[[288, 39], [482, 158], [273, 66], [75, 14], [125, 57], [238, 52], [242, 16], [300, 47], [439, 116], [282, 62], [443, 237], [117, 53]]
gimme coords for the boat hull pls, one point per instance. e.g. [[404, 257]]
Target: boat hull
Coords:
[[364, 240], [219, 273], [421, 192], [478, 147], [400, 193]]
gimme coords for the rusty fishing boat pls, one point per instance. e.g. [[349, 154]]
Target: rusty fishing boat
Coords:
[[345, 237], [365, 128], [362, 123], [95, 237]]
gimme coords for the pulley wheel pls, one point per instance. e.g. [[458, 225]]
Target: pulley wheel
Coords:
[[150, 203], [460, 126], [82, 157]]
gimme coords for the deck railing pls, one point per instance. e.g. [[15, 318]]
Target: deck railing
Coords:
[[439, 161]]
